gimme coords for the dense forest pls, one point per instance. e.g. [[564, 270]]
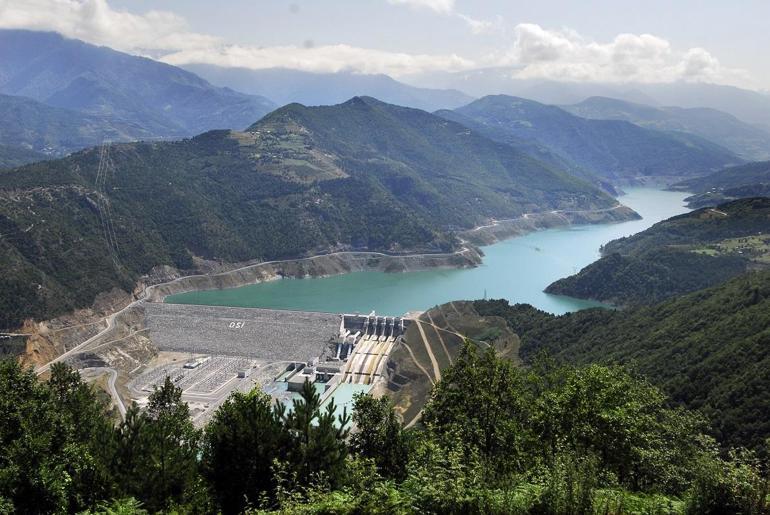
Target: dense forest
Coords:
[[708, 350], [682, 254], [361, 175], [494, 438]]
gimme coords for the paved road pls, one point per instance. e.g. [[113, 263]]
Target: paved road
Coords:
[[113, 391], [110, 319]]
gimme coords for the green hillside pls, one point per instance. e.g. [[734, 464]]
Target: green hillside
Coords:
[[749, 180], [709, 350], [361, 175], [611, 149], [679, 255]]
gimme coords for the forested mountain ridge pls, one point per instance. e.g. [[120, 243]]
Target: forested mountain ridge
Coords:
[[749, 180], [613, 150], [679, 255], [54, 131], [363, 175], [709, 350], [11, 156], [163, 100], [745, 140]]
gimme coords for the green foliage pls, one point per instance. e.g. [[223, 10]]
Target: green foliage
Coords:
[[52, 442], [592, 440], [379, 436], [733, 485], [708, 350], [667, 259], [479, 400], [241, 442], [317, 448], [127, 506], [158, 450]]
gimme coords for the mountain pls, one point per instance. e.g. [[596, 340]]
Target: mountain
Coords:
[[745, 140], [294, 86], [613, 150], [676, 256], [749, 106], [708, 350], [749, 180], [11, 156], [54, 131], [164, 100], [360, 175], [531, 147]]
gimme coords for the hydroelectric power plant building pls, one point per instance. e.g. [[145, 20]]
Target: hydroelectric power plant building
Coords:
[[327, 349]]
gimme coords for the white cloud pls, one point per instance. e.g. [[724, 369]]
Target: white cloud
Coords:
[[166, 37], [439, 6], [447, 7], [96, 22], [535, 52], [329, 58], [566, 55]]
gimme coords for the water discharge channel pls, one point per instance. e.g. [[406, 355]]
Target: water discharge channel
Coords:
[[517, 269]]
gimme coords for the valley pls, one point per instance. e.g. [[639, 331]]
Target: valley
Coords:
[[518, 265], [394, 257]]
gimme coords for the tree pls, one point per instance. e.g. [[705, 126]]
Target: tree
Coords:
[[317, 440], [52, 441], [159, 447], [241, 442], [481, 399], [378, 435]]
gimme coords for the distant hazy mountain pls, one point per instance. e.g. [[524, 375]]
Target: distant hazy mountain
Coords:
[[162, 99], [54, 131], [747, 141], [11, 156], [363, 174], [749, 180], [749, 106], [610, 149], [528, 146], [286, 86]]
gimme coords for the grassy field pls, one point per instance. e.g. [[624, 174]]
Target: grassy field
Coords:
[[756, 248]]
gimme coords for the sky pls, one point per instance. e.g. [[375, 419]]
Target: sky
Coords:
[[718, 41]]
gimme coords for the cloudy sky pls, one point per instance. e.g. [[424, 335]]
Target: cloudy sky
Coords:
[[717, 41]]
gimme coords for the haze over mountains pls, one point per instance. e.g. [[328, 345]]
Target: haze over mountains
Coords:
[[155, 98], [285, 86], [611, 150], [749, 106], [749, 180], [745, 140]]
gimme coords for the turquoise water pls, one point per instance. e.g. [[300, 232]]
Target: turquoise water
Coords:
[[517, 269]]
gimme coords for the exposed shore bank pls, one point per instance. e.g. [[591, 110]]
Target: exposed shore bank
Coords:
[[104, 322]]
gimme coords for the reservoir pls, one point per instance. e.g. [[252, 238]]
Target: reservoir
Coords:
[[517, 269]]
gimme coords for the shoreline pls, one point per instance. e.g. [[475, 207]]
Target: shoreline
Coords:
[[126, 319]]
